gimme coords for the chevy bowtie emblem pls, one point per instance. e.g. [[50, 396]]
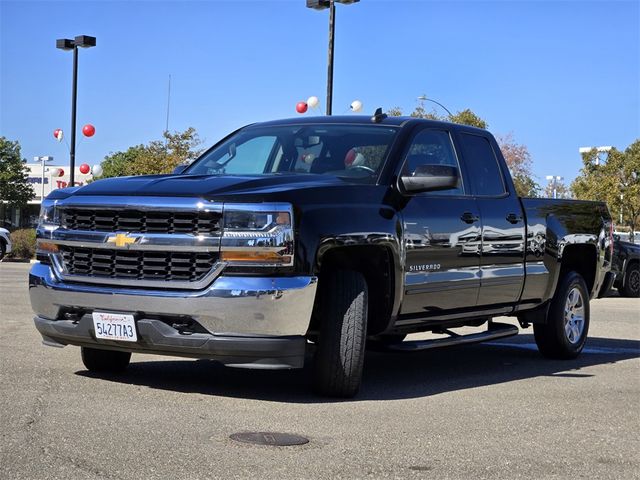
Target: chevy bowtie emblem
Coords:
[[121, 240]]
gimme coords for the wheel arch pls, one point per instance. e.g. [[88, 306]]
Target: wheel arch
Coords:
[[582, 259], [376, 263]]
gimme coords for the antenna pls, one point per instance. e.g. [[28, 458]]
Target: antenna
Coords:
[[378, 116], [166, 128]]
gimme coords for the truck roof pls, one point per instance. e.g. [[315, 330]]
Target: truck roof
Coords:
[[364, 119]]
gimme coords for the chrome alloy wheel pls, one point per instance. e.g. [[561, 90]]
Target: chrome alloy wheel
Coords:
[[574, 316]]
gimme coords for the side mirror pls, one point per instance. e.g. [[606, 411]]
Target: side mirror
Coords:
[[430, 178], [180, 168]]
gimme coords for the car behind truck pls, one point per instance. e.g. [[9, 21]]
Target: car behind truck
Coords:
[[317, 236]]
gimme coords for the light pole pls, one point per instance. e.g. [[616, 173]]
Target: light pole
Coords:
[[624, 184], [599, 150], [331, 5], [424, 98], [42, 161], [553, 181], [83, 41]]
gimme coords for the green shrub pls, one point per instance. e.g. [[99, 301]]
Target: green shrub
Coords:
[[23, 243]]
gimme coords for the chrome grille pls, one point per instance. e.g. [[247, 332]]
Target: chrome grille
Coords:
[[137, 264], [134, 221]]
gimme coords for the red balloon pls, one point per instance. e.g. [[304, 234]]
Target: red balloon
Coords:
[[57, 133], [60, 172], [88, 130], [350, 157], [301, 107], [84, 168]]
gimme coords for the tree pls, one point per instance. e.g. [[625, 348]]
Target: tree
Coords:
[[14, 184], [519, 161], [562, 190], [467, 117], [394, 112], [615, 181], [120, 164], [464, 117], [157, 157]]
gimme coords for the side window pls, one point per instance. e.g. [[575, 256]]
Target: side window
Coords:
[[482, 165], [432, 147]]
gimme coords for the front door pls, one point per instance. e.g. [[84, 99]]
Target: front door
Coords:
[[441, 237]]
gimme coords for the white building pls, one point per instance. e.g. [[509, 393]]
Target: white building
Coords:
[[28, 216]]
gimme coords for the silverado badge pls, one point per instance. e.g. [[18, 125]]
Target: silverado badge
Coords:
[[121, 240]]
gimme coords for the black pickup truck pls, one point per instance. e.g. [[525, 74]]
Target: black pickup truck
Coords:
[[626, 267], [317, 236]]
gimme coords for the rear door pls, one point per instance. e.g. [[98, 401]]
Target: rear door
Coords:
[[441, 235], [503, 229]]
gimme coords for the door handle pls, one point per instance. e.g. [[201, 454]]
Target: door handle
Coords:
[[468, 217], [513, 218]]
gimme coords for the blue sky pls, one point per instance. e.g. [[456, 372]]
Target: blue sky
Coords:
[[557, 74]]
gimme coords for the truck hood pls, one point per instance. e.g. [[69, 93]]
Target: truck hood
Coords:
[[206, 185]]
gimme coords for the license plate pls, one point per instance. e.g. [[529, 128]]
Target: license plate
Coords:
[[115, 326]]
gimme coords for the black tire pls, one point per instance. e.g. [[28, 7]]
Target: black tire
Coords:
[[111, 361], [3, 249], [631, 281], [341, 345], [561, 337]]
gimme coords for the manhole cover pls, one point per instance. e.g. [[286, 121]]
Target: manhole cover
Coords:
[[269, 438]]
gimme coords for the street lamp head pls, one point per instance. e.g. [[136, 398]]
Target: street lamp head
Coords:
[[85, 41], [64, 44], [318, 4], [322, 4]]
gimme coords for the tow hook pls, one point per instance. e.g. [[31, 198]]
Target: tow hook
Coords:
[[183, 328]]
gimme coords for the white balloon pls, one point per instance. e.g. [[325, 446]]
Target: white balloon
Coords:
[[55, 172], [356, 105], [359, 160], [96, 170], [313, 101]]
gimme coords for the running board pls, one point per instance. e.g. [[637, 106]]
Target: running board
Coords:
[[495, 331]]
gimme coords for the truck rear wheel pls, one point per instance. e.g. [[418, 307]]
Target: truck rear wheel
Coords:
[[97, 360], [565, 332], [632, 281], [340, 356]]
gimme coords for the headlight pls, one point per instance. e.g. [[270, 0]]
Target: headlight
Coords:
[[49, 215], [258, 234]]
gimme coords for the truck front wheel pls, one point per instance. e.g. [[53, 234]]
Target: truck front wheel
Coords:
[[565, 332], [340, 355], [111, 361]]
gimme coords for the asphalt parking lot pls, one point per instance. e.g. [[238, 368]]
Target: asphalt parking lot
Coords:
[[494, 410]]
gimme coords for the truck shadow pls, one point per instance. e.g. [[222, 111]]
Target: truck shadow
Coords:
[[387, 376]]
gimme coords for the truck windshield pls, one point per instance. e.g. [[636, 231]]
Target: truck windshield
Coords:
[[351, 151]]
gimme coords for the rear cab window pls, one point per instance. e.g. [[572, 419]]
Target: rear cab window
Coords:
[[482, 165]]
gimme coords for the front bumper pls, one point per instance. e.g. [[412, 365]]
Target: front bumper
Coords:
[[157, 337], [234, 312]]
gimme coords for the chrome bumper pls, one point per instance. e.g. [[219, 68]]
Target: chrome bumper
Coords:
[[231, 306]]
